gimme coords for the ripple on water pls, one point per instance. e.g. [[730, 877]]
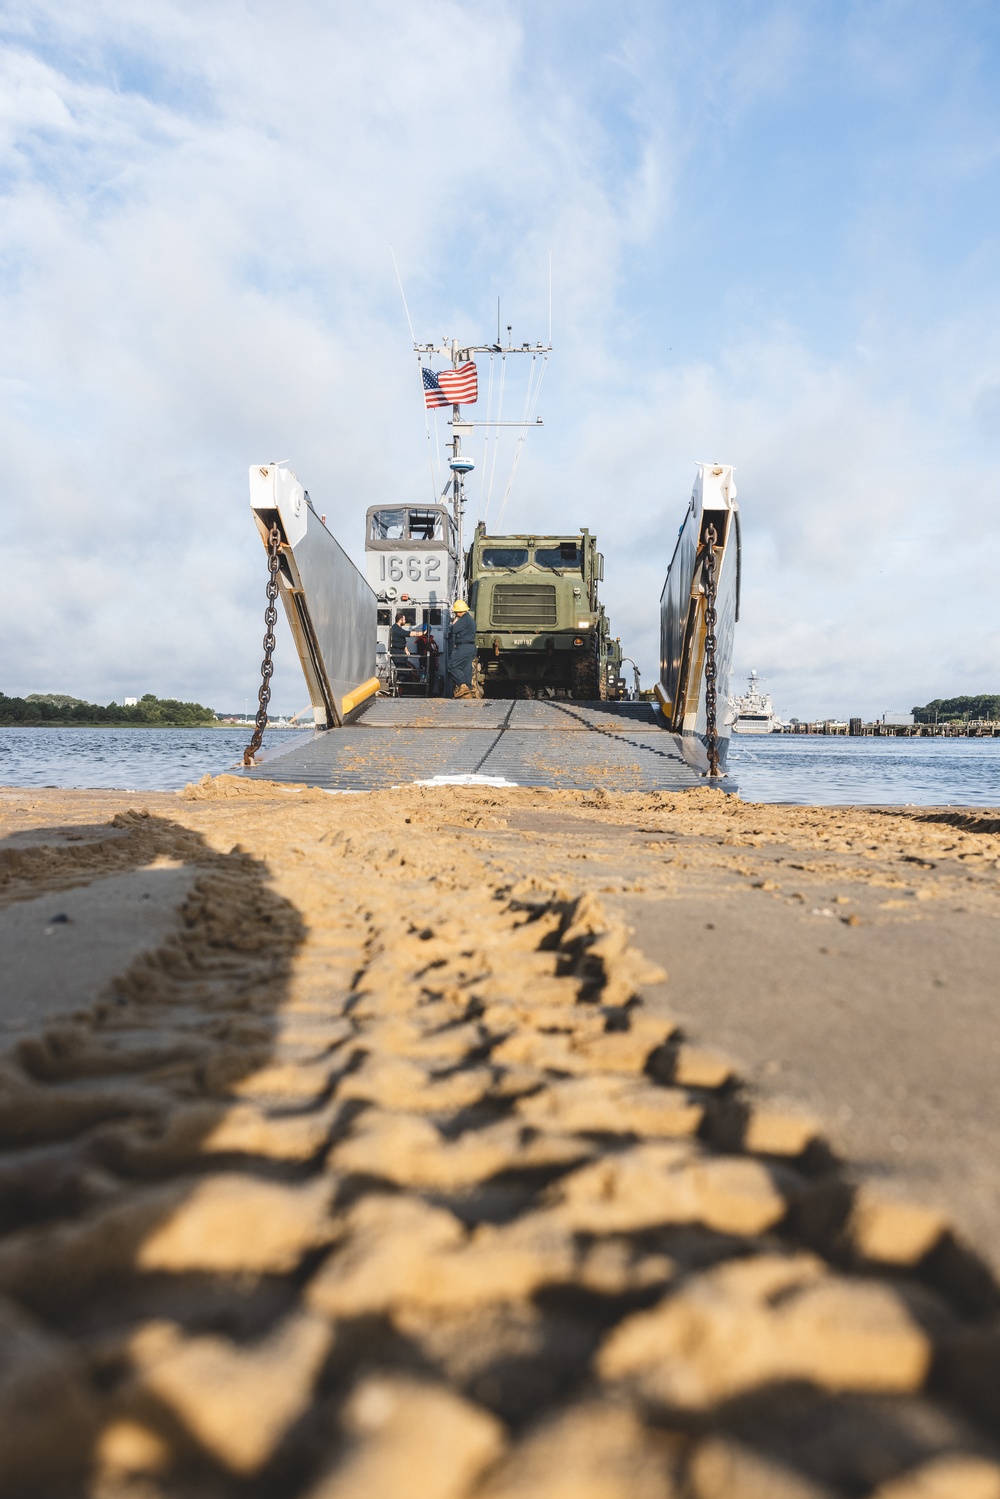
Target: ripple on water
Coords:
[[823, 770], [122, 759], [816, 770]]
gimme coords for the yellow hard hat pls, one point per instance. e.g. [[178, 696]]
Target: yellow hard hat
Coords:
[[459, 607]]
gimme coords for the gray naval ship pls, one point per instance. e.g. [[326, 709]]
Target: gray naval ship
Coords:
[[752, 712]]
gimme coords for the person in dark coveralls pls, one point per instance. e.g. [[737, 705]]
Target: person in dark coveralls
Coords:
[[461, 649], [398, 637], [427, 656]]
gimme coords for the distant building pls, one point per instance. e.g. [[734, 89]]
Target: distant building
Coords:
[[131, 702], [897, 720]]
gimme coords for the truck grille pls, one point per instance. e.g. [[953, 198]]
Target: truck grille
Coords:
[[523, 606]]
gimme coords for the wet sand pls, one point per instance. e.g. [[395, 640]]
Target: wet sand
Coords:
[[359, 1146]]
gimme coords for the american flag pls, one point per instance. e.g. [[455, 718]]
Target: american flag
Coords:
[[451, 387], [433, 394]]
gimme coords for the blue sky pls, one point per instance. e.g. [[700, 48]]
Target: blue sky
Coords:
[[775, 233]]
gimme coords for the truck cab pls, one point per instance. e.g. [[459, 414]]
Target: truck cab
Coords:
[[541, 630]]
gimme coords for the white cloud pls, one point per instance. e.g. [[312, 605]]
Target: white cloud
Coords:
[[200, 201]]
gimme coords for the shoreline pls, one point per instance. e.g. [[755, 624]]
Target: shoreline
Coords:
[[271, 729], [76, 725]]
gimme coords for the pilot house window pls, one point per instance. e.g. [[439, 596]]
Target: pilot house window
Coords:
[[407, 525], [389, 525], [426, 525]]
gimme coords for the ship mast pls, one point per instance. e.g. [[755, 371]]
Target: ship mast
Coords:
[[460, 464]]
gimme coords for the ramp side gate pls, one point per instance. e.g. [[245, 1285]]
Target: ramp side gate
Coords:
[[330, 608]]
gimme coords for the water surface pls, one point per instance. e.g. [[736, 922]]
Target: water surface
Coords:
[[815, 770], [123, 758], [834, 770]]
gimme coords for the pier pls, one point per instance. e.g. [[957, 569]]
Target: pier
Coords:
[[855, 728]]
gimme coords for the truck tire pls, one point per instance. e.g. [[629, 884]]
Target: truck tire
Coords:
[[586, 679]]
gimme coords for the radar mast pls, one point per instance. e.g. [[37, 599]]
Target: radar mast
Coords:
[[460, 464]]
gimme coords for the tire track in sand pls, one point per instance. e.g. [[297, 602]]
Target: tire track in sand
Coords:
[[379, 1178]]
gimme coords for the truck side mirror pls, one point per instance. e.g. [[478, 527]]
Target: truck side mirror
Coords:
[[600, 567]]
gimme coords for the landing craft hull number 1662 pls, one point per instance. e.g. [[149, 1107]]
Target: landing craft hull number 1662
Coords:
[[409, 569]]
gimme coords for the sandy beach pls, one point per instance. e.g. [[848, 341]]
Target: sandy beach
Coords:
[[466, 1143]]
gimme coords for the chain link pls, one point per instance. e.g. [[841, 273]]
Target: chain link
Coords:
[[267, 665], [711, 669]]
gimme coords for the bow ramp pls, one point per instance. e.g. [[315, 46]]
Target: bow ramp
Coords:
[[566, 745], [366, 741]]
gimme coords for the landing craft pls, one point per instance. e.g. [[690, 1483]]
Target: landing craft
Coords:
[[414, 557]]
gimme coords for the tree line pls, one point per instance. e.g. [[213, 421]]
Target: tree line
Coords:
[[59, 710], [986, 705]]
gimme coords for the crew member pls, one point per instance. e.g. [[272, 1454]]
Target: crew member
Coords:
[[461, 649], [427, 655], [398, 637]]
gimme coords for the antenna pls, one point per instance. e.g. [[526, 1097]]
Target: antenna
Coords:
[[498, 320], [550, 297], [399, 279], [427, 421]]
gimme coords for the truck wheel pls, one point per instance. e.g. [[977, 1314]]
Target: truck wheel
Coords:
[[586, 679]]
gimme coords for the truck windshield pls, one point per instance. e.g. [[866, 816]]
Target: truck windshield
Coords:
[[504, 556], [565, 557]]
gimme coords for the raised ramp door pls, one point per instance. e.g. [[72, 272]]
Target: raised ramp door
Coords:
[[330, 608]]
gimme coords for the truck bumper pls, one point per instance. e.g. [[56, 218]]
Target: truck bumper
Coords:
[[493, 643]]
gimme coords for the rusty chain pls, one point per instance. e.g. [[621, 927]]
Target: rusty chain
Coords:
[[711, 670], [267, 665]]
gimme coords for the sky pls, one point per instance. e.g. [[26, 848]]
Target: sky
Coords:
[[774, 232]]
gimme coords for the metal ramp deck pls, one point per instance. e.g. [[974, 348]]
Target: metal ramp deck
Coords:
[[564, 745]]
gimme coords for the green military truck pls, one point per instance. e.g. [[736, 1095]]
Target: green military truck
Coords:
[[541, 630]]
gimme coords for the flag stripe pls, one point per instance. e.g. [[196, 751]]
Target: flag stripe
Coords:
[[460, 386]]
